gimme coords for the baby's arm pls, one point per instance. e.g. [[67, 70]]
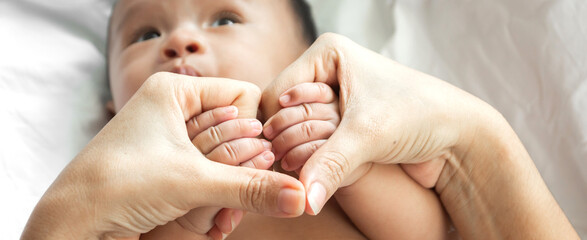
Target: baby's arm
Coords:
[[386, 203], [221, 138], [382, 201]]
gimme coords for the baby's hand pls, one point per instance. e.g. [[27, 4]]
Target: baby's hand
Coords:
[[310, 115], [223, 138]]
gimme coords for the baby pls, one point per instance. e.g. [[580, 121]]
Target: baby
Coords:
[[253, 41]]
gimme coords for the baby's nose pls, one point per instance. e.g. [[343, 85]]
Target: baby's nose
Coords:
[[181, 44], [175, 52]]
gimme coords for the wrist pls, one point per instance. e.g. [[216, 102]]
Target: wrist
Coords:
[[62, 212], [491, 188], [52, 220]]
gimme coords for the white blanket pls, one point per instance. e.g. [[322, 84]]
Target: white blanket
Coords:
[[526, 58]]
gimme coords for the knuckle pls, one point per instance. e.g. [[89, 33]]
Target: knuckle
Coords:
[[306, 110], [252, 193], [313, 146], [230, 153], [215, 134], [328, 37], [195, 125], [242, 126], [337, 165], [307, 129], [323, 89]]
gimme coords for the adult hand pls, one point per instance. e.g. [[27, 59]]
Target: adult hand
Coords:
[[142, 170], [444, 138]]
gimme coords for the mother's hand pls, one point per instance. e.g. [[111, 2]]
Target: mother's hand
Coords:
[[390, 114], [444, 138], [142, 170]]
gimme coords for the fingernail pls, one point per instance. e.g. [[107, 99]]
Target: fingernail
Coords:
[[267, 145], [255, 124], [268, 131], [224, 235], [231, 110], [288, 201], [284, 164], [284, 99], [269, 157], [316, 197]]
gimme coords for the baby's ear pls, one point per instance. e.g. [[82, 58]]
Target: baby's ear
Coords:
[[110, 108]]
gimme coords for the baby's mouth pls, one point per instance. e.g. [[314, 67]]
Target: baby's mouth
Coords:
[[186, 70]]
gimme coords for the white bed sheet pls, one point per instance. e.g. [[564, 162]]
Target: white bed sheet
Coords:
[[526, 58]]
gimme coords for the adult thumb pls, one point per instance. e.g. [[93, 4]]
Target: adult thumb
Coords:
[[330, 166], [261, 191]]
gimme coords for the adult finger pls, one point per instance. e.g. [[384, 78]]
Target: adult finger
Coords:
[[261, 191], [194, 96], [327, 169], [317, 64]]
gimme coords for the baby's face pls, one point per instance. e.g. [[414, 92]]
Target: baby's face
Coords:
[[248, 40]]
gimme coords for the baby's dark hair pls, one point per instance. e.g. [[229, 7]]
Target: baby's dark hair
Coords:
[[304, 13]]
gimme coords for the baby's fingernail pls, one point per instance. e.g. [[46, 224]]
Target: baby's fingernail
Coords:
[[268, 131], [316, 197], [231, 110], [256, 125], [267, 145], [269, 157], [284, 99], [284, 164], [288, 202]]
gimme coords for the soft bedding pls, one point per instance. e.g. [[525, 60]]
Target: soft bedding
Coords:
[[526, 58]]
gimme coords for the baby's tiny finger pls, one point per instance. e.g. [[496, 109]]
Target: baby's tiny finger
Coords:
[[262, 161], [290, 116], [307, 93], [301, 133], [227, 131], [297, 157], [239, 150], [210, 118]]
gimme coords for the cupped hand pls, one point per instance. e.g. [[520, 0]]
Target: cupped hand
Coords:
[[390, 114], [142, 170]]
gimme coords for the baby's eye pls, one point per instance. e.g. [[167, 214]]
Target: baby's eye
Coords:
[[223, 21], [226, 18], [148, 36]]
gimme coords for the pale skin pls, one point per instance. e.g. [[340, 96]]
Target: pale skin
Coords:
[[201, 42]]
